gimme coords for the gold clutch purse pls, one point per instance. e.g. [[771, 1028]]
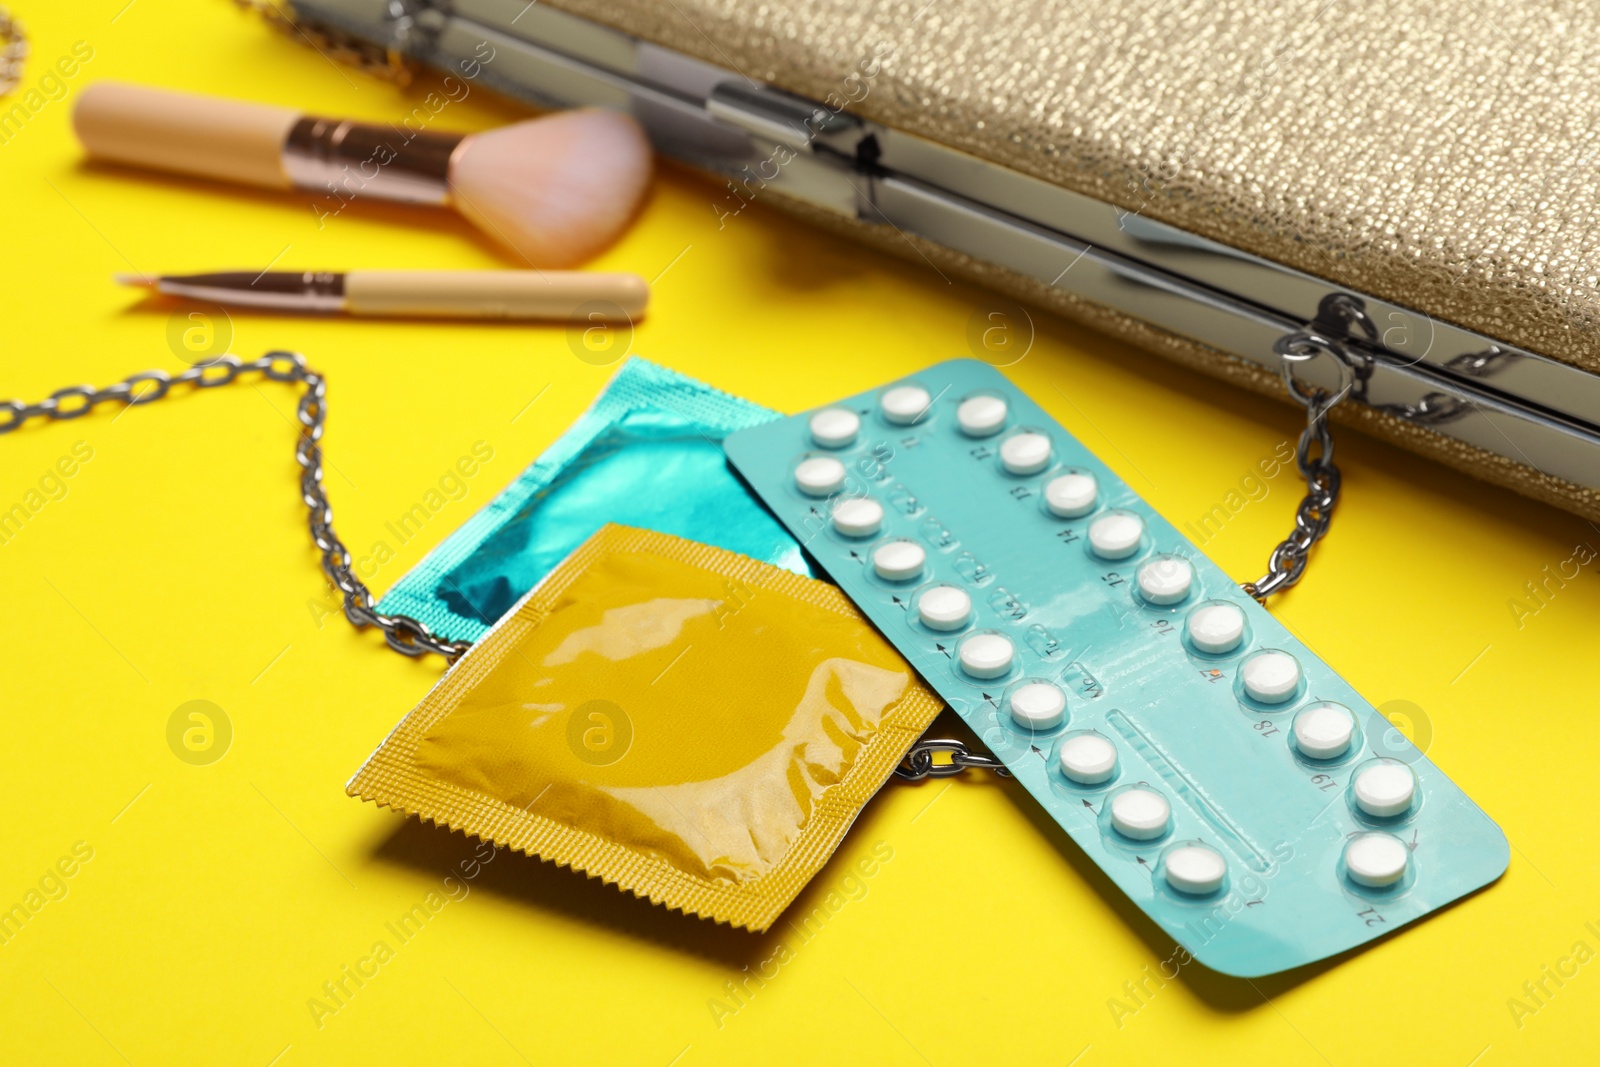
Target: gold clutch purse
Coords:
[[1411, 184]]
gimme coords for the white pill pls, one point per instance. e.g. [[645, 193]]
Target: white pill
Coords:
[[1071, 495], [898, 561], [1384, 790], [1025, 453], [819, 476], [1142, 814], [1216, 628], [1165, 580], [835, 427], [981, 416], [944, 607], [1375, 859], [858, 516], [1088, 759], [905, 404], [1270, 677], [987, 655], [1323, 731], [1116, 534], [1195, 868], [1038, 706]]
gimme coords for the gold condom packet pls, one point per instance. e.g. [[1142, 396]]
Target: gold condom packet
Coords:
[[684, 722]]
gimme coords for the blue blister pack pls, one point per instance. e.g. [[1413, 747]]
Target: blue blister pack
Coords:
[[1235, 787]]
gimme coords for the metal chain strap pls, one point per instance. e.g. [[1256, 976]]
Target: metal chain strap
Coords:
[[13, 51], [919, 763], [404, 634], [1339, 315], [1314, 457]]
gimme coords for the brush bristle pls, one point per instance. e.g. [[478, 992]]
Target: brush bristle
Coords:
[[557, 189]]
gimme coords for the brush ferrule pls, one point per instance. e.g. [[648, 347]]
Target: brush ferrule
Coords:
[[350, 160], [279, 290]]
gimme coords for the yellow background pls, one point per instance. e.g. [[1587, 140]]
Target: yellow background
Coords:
[[220, 898]]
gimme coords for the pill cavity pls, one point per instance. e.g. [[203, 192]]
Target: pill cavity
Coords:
[[1217, 628], [1071, 495], [835, 427], [1141, 814], [819, 476], [1025, 453], [981, 416], [1270, 677], [905, 404], [858, 517], [898, 561], [1165, 579], [1088, 759], [1384, 789], [1038, 706], [944, 607], [1116, 534], [1376, 860], [987, 655], [1324, 731], [1194, 868]]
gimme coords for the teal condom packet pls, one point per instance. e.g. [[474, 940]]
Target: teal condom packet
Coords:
[[647, 453]]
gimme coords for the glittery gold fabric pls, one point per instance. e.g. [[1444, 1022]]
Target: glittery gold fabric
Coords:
[[1441, 155]]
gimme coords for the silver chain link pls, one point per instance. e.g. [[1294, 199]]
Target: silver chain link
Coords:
[[1339, 315], [404, 634], [1313, 455], [919, 762]]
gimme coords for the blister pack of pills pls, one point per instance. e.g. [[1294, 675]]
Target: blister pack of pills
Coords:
[[1232, 784]]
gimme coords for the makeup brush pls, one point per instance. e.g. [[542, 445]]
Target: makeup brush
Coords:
[[556, 189], [556, 295]]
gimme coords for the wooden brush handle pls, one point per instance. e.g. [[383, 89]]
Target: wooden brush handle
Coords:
[[183, 132], [497, 294]]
